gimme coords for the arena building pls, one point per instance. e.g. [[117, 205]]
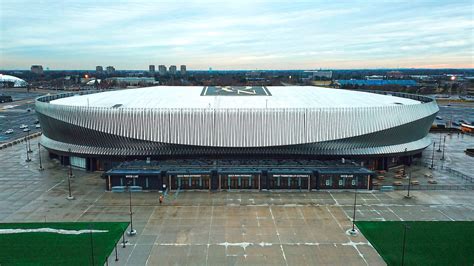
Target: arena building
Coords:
[[97, 130]]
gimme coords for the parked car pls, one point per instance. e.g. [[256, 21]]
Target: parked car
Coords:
[[26, 130], [5, 99], [9, 131], [37, 126], [23, 126], [36, 121]]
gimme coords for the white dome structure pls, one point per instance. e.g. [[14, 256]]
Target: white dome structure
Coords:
[[236, 120], [17, 82]]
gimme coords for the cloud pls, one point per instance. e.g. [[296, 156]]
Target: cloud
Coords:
[[231, 35]]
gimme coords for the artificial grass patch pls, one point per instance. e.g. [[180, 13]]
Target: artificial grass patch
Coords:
[[53, 247], [426, 242]]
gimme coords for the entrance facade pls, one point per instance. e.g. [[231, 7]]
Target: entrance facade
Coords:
[[239, 181], [289, 181], [190, 182]]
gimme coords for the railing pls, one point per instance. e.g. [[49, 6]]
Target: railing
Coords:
[[459, 174], [48, 98], [446, 169], [430, 187], [421, 98]]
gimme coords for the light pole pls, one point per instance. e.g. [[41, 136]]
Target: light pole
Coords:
[[405, 163], [432, 156], [132, 231], [405, 227], [70, 197], [409, 185], [353, 230], [92, 245], [444, 147], [27, 154], [439, 146], [39, 155], [28, 141]]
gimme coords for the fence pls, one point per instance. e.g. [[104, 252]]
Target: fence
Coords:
[[446, 169], [459, 174]]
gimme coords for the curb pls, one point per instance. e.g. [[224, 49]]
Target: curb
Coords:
[[20, 140]]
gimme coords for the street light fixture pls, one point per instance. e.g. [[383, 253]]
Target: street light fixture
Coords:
[[70, 197], [132, 231], [39, 155], [27, 154]]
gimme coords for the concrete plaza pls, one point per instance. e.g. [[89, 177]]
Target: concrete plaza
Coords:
[[222, 228]]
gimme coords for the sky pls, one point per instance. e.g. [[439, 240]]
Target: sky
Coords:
[[245, 34]]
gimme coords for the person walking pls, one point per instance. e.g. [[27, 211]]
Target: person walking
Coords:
[[161, 198]]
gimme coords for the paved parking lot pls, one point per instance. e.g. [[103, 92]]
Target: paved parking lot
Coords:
[[222, 228], [14, 114]]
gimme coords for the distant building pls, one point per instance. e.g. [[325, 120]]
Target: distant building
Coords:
[[374, 77], [470, 86], [99, 69], [376, 82], [110, 69], [394, 74], [173, 70], [321, 74], [151, 68], [183, 70], [162, 70], [37, 69], [132, 81]]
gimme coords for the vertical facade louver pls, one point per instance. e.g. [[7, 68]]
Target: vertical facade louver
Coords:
[[338, 131]]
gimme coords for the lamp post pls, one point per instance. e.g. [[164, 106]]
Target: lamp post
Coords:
[[444, 147], [353, 231], [405, 227], [27, 154], [432, 156], [132, 231], [439, 146], [123, 240], [405, 163], [409, 185], [28, 141], [39, 155], [92, 245], [70, 197]]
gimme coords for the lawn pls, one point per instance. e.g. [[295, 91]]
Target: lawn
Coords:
[[426, 242], [45, 245]]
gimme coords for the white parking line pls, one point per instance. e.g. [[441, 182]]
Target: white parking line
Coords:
[[401, 219], [51, 188], [209, 238], [278, 235]]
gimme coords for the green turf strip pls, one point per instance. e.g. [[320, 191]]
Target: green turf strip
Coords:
[[40, 248], [426, 242]]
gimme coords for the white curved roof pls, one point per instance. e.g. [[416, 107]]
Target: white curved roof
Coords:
[[190, 97], [18, 82]]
